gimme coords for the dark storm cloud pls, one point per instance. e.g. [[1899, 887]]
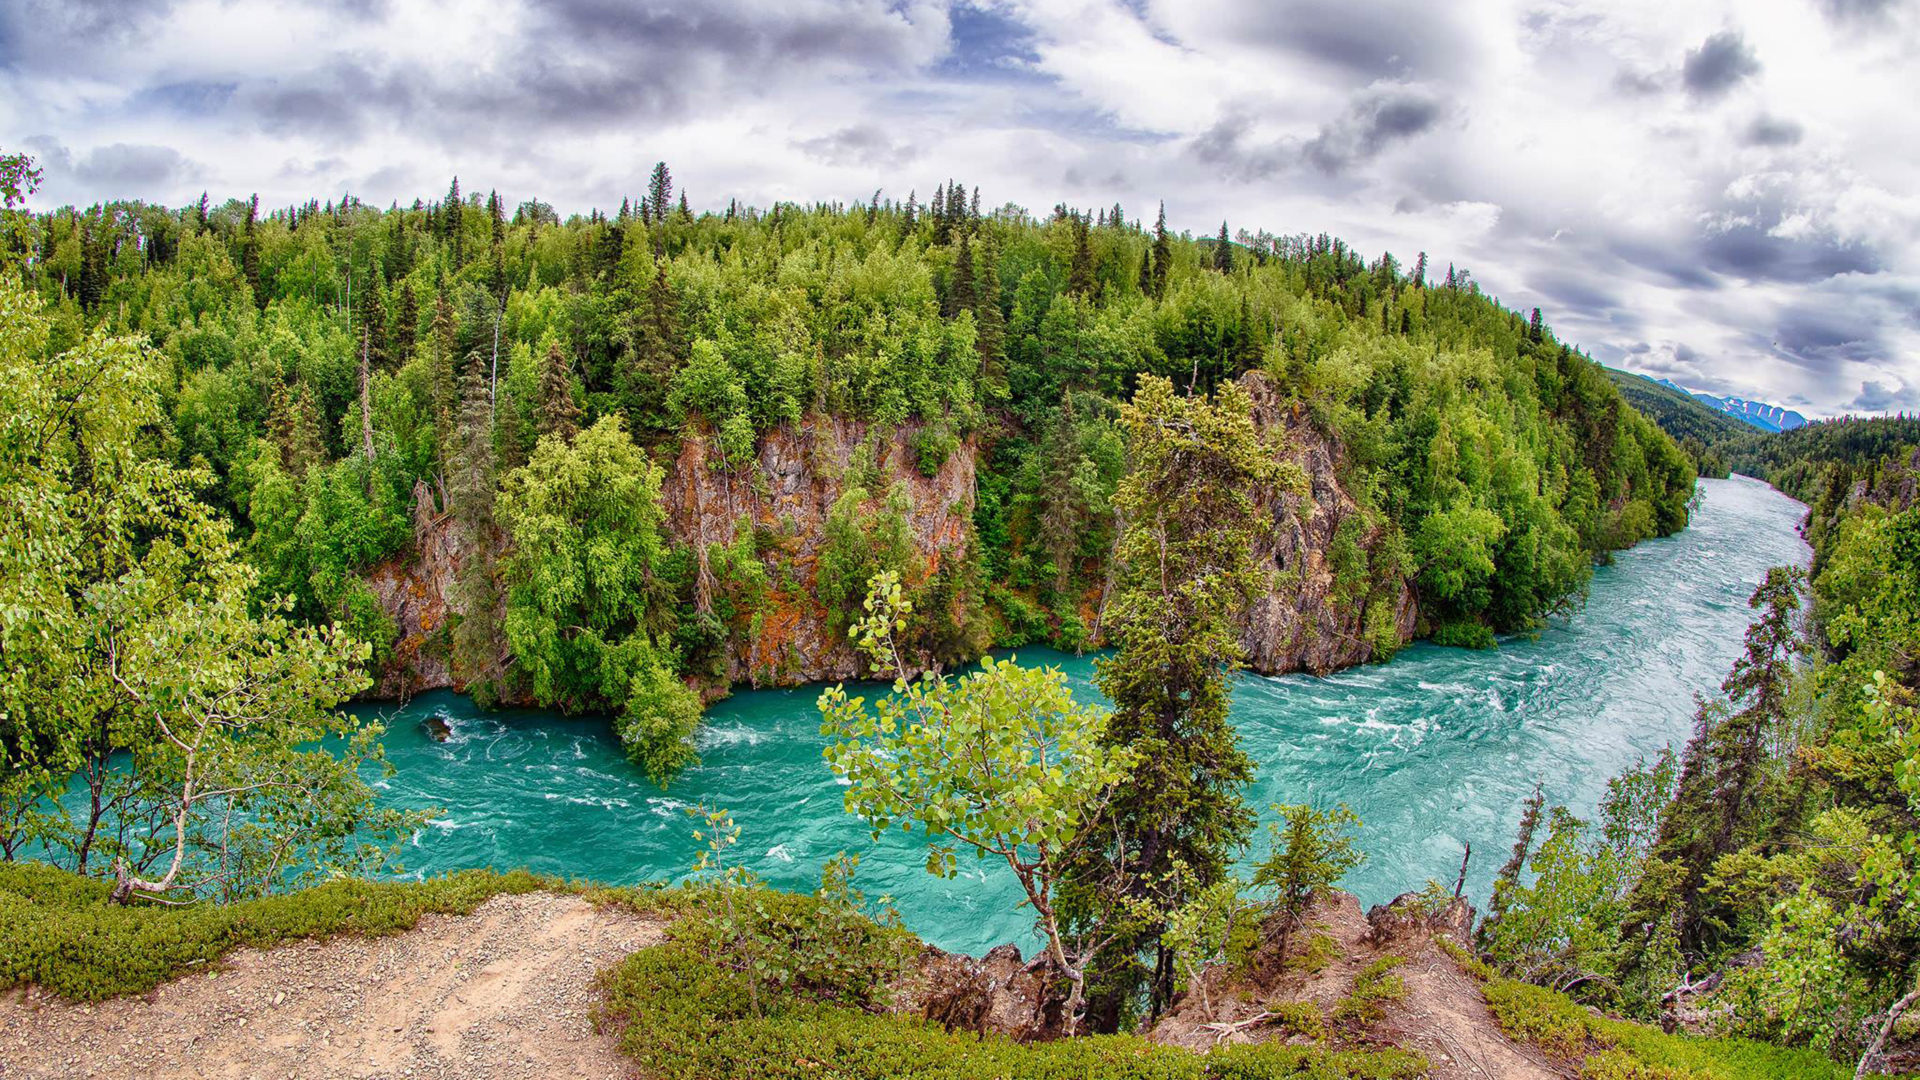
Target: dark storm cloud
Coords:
[[1878, 397], [1675, 263], [1772, 131], [1570, 288], [1823, 338], [1390, 39], [1753, 252], [126, 170], [1374, 120], [1718, 65], [860, 144]]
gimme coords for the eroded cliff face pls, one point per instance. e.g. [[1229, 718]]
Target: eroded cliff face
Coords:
[[786, 499], [1320, 615]]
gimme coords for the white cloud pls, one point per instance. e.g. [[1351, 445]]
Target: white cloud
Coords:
[[1748, 218]]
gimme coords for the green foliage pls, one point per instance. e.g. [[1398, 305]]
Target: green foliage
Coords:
[[60, 932], [1311, 850], [1373, 987], [1000, 762], [136, 656], [1189, 574], [584, 614], [683, 1009]]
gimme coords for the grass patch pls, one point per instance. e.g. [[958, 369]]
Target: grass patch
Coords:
[[58, 931], [683, 1009], [1610, 1049]]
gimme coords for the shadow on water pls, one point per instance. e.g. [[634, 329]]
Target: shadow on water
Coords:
[[1433, 750]]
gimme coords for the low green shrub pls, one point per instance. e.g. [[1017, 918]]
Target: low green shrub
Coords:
[[1373, 987], [58, 931], [1320, 951], [1302, 1018], [683, 1009], [1614, 1049]]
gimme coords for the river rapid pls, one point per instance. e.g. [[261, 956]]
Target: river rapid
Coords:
[[1433, 750]]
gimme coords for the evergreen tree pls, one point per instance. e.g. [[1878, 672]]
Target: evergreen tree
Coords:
[[373, 321], [1080, 276], [293, 424], [686, 215], [470, 484], [1420, 272], [1722, 801], [1162, 254], [1191, 526], [250, 254], [558, 414], [990, 324], [1536, 331], [406, 329], [659, 191], [1223, 252]]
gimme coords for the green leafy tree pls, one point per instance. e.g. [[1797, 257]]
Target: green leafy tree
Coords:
[[585, 617], [1000, 762], [134, 660]]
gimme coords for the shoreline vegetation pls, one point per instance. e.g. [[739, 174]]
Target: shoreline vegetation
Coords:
[[219, 425]]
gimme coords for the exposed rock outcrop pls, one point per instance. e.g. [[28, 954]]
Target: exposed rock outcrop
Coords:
[[1311, 620], [995, 994], [799, 475]]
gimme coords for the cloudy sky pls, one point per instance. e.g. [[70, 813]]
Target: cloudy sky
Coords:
[[1721, 193]]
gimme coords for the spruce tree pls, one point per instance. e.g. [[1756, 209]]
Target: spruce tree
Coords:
[[1080, 275], [1162, 254], [250, 254], [659, 191], [406, 329], [373, 320], [991, 325], [558, 413], [1223, 252], [1191, 526]]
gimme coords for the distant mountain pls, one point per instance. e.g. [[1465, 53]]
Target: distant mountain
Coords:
[[1753, 413], [1695, 425]]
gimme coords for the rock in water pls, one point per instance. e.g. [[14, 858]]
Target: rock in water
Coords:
[[437, 728]]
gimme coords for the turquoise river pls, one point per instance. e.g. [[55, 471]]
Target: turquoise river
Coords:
[[1433, 750]]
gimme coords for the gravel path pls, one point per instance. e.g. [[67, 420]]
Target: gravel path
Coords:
[[503, 992]]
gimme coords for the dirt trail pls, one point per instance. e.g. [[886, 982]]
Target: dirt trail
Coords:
[[1442, 1015], [503, 992]]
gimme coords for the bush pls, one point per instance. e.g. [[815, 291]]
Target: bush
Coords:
[[58, 931], [682, 1009], [1373, 987]]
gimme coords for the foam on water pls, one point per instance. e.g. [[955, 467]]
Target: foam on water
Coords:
[[1433, 750]]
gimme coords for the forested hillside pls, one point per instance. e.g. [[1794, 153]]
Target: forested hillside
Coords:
[[1698, 429], [586, 461], [1768, 870]]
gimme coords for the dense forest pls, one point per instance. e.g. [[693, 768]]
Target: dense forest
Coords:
[[338, 375], [1771, 870], [1700, 431], [223, 428]]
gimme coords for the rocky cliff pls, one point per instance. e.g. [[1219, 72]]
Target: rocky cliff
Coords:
[[786, 499], [1333, 602]]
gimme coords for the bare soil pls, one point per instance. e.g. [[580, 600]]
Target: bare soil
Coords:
[[1443, 1015], [503, 992]]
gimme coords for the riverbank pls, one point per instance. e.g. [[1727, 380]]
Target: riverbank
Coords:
[[1433, 750]]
